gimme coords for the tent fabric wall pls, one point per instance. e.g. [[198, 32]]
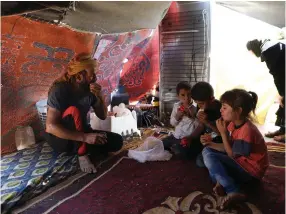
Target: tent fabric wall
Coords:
[[140, 73], [33, 55], [232, 66]]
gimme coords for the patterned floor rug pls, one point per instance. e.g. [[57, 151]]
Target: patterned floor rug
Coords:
[[177, 186]]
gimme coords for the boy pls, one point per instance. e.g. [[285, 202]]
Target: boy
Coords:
[[185, 122], [208, 112]]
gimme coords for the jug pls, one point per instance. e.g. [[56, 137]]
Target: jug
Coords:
[[24, 137]]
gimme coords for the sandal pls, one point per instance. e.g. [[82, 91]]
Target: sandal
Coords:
[[273, 134], [232, 198], [280, 138]]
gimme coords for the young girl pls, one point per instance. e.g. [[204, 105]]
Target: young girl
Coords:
[[243, 155]]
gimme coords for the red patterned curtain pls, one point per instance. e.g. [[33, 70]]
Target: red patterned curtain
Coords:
[[131, 57]]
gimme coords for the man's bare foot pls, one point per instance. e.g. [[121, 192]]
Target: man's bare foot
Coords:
[[232, 198], [86, 165], [218, 189], [280, 138]]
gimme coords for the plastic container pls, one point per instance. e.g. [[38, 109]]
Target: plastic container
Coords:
[[24, 137], [42, 108], [114, 124]]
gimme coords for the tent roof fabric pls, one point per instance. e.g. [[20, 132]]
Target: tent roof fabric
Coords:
[[106, 17], [112, 17], [271, 12]]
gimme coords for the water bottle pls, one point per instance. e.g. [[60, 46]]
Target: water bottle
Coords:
[[24, 137]]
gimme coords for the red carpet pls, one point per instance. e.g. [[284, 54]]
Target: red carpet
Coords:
[[131, 187]]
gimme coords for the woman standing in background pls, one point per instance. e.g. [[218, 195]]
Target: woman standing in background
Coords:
[[273, 53]]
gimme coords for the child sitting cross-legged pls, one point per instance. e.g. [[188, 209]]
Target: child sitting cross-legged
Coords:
[[242, 157], [186, 124], [208, 112]]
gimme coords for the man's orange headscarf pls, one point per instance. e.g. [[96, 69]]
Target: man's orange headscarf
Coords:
[[79, 63]]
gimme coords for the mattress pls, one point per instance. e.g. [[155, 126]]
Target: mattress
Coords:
[[28, 173]]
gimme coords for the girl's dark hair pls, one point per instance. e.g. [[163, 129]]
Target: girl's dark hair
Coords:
[[239, 98], [254, 46], [183, 85]]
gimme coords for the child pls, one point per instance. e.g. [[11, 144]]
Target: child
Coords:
[[243, 155], [185, 123], [208, 112]]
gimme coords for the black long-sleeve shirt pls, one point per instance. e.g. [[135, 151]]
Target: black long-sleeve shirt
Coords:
[[274, 56]]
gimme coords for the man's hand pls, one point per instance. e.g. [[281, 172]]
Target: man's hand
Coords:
[[206, 139], [95, 89], [202, 116], [221, 126], [95, 138]]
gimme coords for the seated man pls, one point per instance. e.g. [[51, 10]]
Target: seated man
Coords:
[[69, 100]]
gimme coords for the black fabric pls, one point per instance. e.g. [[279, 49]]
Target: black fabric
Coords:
[[280, 120], [213, 111], [63, 96], [213, 114], [241, 148], [119, 98], [239, 126], [149, 117], [173, 144], [62, 145], [114, 141], [275, 61]]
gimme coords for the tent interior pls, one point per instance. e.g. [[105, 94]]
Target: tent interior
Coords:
[[147, 48]]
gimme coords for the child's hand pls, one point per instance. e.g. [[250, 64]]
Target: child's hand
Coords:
[[206, 139], [189, 112], [202, 116], [221, 126], [184, 142], [179, 114], [181, 108]]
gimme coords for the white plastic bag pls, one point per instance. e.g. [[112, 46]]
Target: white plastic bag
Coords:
[[121, 110], [151, 150]]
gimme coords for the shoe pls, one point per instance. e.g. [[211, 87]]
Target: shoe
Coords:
[[273, 134], [280, 138]]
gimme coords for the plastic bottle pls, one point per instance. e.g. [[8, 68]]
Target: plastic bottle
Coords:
[[24, 137]]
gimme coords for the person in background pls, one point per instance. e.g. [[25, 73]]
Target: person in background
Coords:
[[69, 99], [186, 124], [242, 157], [273, 53], [208, 112]]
